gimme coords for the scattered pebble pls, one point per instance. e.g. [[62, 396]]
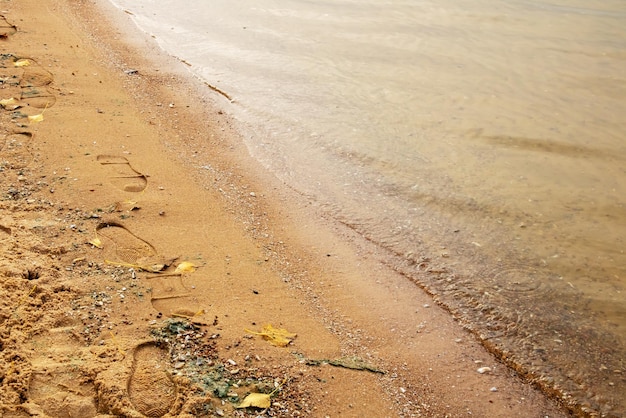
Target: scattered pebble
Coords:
[[483, 370]]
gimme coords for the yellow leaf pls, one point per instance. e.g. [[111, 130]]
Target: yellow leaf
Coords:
[[185, 267], [36, 118], [22, 63], [9, 101], [39, 117], [276, 336], [96, 242], [258, 400]]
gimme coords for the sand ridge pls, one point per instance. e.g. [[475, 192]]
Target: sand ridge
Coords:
[[111, 178]]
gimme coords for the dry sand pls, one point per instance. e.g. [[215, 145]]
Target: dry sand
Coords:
[[132, 171]]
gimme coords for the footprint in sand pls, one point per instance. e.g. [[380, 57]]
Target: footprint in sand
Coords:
[[6, 29], [24, 84], [122, 174], [37, 97], [170, 296], [127, 247], [168, 286], [15, 150], [150, 387], [60, 384], [34, 92]]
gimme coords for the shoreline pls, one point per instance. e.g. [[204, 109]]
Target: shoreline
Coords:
[[261, 257]]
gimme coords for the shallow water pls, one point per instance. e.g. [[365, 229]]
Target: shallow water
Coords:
[[483, 143]]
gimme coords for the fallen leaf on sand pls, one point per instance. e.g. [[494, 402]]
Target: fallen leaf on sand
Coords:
[[96, 242], [36, 118], [127, 205], [22, 63], [276, 336], [258, 400], [39, 117], [185, 267], [11, 102]]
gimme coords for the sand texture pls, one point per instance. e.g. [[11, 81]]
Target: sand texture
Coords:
[[142, 253]]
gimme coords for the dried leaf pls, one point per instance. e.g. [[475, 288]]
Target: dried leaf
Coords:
[[156, 263], [12, 101], [257, 400], [185, 267], [127, 205], [39, 117], [36, 118], [96, 242], [276, 336], [22, 63]]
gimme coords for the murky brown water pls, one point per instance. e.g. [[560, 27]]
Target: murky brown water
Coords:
[[483, 143]]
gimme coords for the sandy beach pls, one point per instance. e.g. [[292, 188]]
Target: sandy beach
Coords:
[[151, 268]]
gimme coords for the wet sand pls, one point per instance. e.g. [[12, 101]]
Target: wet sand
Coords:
[[117, 168]]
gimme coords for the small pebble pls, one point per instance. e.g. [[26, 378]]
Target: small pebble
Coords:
[[494, 389], [483, 370]]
